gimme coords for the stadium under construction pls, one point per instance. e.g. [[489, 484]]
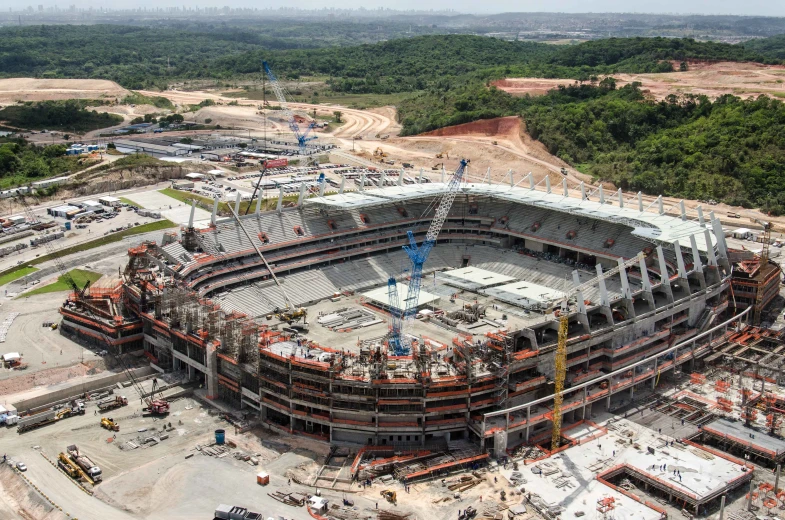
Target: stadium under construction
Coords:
[[285, 316]]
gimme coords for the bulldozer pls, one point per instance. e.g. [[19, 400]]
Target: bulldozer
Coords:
[[391, 496], [109, 424]]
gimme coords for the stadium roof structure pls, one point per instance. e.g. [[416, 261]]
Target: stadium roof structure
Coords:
[[656, 227]]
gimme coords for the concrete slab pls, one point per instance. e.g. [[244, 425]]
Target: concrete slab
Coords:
[[685, 468], [473, 278], [380, 296], [172, 209]]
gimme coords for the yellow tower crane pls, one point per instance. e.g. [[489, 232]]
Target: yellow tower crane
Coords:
[[560, 360]]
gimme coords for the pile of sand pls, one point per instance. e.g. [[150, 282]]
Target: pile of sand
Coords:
[[17, 498], [49, 377], [32, 89]]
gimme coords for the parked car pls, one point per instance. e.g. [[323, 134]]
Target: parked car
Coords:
[[21, 466]]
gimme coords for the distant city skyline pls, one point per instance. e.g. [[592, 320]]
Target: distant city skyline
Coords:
[[681, 7]]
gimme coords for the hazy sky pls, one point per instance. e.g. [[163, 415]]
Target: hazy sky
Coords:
[[748, 7]]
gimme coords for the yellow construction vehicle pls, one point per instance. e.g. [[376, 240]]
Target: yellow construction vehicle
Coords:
[[391, 496], [109, 424], [440, 156], [379, 153], [64, 463], [437, 166], [291, 315]]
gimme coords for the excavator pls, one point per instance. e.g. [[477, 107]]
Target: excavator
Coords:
[[391, 496], [437, 166], [380, 153], [291, 315]]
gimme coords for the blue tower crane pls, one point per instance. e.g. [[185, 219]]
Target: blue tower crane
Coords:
[[302, 136], [418, 255]]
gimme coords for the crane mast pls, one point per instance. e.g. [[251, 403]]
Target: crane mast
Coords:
[[302, 136], [418, 256], [560, 357]]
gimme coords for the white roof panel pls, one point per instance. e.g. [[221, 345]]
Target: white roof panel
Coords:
[[473, 278], [381, 296], [645, 224]]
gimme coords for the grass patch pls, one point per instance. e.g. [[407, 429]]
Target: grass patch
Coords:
[[108, 239], [129, 202], [135, 98], [80, 277], [17, 274]]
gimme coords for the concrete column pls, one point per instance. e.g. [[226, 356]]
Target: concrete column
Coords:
[[680, 266], [683, 210], [301, 197], [444, 173], [664, 278], [722, 507], [547, 184], [709, 248], [602, 195], [322, 186], [697, 263], [259, 203], [383, 178], [191, 218], [722, 246], [699, 209], [777, 478], [625, 290], [419, 177], [564, 186], [646, 283], [279, 206], [749, 496], [583, 191], [605, 307], [343, 183], [621, 198], [215, 212], [362, 181], [237, 203], [488, 176], [212, 371], [531, 180], [640, 202], [528, 418], [400, 177], [660, 207], [654, 377]]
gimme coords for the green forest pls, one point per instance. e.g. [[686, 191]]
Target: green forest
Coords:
[[22, 163], [71, 114], [728, 149]]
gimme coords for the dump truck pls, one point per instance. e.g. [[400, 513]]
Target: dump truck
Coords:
[[112, 403], [87, 465], [109, 424]]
